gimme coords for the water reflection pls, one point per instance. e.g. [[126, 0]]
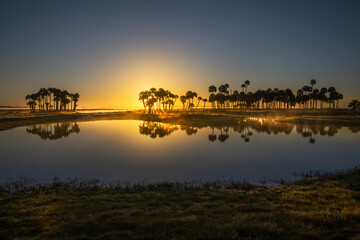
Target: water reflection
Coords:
[[189, 130], [252, 149], [53, 131], [156, 129], [246, 129]]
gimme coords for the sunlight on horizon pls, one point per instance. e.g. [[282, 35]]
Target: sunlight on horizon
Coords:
[[124, 75]]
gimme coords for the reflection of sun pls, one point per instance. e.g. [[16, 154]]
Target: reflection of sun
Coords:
[[262, 120]]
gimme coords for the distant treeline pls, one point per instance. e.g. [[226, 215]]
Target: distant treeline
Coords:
[[307, 97], [52, 99]]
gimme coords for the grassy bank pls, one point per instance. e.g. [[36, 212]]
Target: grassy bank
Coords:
[[327, 208]]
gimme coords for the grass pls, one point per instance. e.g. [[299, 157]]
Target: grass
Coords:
[[326, 208]]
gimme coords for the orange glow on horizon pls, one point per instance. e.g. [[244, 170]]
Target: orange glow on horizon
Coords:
[[124, 78]]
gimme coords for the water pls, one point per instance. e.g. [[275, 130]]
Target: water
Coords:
[[135, 151]]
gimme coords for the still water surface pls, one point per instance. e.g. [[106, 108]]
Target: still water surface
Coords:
[[129, 150]]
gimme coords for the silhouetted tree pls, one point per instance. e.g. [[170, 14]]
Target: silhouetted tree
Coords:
[[204, 100], [45, 96], [354, 104]]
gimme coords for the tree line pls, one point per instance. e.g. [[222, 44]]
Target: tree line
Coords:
[[157, 99], [52, 99], [307, 97]]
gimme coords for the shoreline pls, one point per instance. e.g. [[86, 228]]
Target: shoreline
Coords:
[[14, 118]]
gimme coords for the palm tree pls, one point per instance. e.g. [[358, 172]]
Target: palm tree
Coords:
[[31, 98], [190, 97], [142, 97], [172, 100], [332, 96], [64, 100], [44, 93], [75, 99], [307, 90], [56, 100], [204, 100], [354, 104], [27, 98], [148, 99], [331, 89], [51, 91], [38, 98], [312, 83], [223, 92], [212, 89], [243, 86], [247, 83], [322, 96], [183, 100], [315, 97], [160, 95], [289, 97], [199, 100], [71, 102], [150, 102], [339, 97]]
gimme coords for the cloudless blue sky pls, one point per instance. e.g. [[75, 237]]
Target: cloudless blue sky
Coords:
[[272, 43]]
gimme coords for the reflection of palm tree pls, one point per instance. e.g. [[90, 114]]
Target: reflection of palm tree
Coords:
[[269, 127], [53, 131], [190, 131], [223, 136], [212, 136], [155, 129], [245, 128]]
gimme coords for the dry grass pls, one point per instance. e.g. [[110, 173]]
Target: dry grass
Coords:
[[327, 208]]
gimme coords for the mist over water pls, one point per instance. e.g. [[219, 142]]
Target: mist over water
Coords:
[[135, 151]]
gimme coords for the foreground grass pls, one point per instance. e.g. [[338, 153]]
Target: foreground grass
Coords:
[[328, 208]]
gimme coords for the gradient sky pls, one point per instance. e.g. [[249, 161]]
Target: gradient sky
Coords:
[[108, 51]]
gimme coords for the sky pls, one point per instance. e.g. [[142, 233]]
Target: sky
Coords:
[[108, 51]]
